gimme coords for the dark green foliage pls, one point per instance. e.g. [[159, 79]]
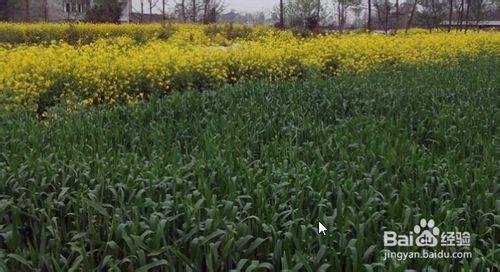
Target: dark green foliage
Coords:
[[3, 9], [165, 32], [8, 8], [237, 178], [104, 11], [80, 33]]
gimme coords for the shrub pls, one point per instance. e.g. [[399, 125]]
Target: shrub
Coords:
[[166, 32]]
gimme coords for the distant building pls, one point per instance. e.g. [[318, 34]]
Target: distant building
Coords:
[[58, 10], [136, 17], [472, 24]]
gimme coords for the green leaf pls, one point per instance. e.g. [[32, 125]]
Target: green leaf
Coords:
[[96, 206], [152, 265], [20, 259]]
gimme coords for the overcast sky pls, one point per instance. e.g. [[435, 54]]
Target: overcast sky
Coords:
[[239, 5], [250, 5]]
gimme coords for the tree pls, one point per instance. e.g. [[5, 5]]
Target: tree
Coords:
[[432, 13], [467, 12], [141, 2], [181, 10], [305, 13], [412, 15], [27, 8], [205, 11], [480, 9], [369, 23], [396, 24], [282, 13], [163, 10], [450, 15], [152, 4], [461, 14], [45, 9], [194, 10], [212, 9], [342, 8], [383, 8], [104, 11], [4, 7], [278, 14]]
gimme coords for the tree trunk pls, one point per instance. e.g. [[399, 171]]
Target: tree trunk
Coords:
[[369, 24], [479, 13], [282, 14], [45, 10], [163, 8], [142, 11], [183, 10], [412, 14], [430, 19], [397, 17], [450, 15], [387, 11], [205, 11], [27, 7], [382, 21], [339, 15], [467, 16], [195, 12], [377, 9], [461, 15]]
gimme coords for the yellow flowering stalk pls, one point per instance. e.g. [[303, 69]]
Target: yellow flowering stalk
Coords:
[[196, 57]]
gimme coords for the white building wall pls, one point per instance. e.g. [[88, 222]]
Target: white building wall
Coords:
[[56, 11]]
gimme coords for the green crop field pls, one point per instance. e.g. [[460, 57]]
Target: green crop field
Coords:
[[238, 177]]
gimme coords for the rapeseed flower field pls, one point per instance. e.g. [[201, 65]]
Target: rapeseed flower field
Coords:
[[119, 69]]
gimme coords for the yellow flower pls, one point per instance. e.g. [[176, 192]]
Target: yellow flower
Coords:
[[122, 70]]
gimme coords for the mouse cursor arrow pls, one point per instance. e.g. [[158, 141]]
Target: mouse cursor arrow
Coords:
[[321, 229]]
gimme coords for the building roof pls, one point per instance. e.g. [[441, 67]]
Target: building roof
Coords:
[[473, 23]]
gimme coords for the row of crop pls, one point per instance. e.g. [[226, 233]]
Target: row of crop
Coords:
[[38, 77], [19, 33]]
